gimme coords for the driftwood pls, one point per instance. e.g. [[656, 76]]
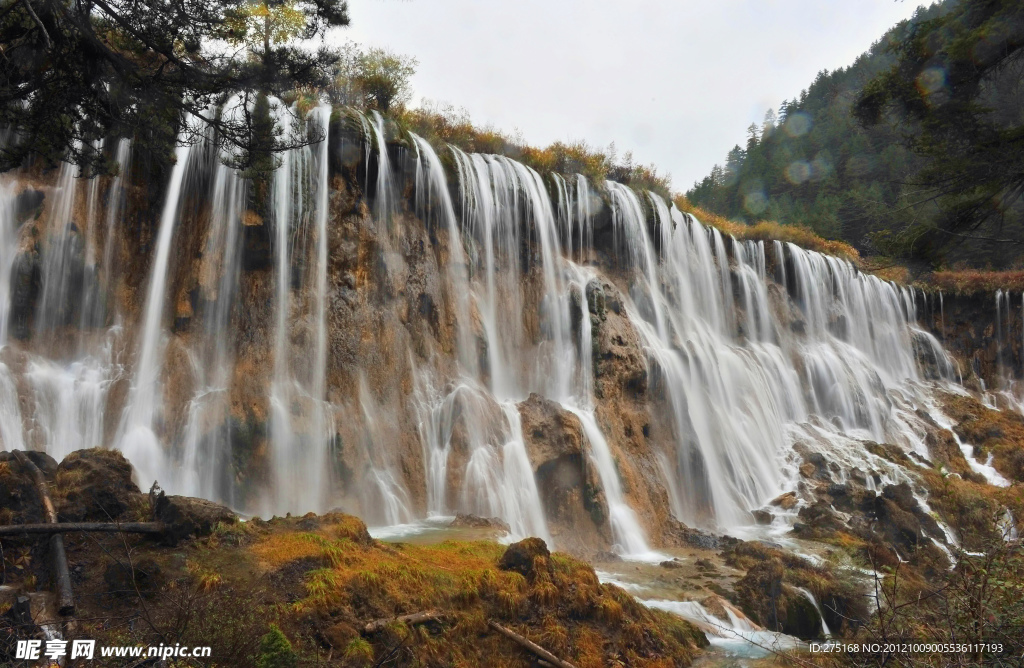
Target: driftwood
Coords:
[[61, 575], [533, 647], [66, 527], [415, 618]]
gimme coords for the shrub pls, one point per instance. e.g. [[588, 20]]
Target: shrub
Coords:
[[275, 650]]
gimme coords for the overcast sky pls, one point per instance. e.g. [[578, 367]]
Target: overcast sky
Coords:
[[675, 81]]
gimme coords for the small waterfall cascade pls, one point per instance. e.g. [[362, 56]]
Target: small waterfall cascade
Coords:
[[206, 448], [63, 258], [301, 419], [492, 292], [137, 435]]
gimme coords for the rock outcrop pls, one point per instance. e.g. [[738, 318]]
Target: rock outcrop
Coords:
[[569, 486]]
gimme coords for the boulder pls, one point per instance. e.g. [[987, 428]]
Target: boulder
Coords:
[[522, 557], [802, 618], [777, 606], [785, 501], [19, 500], [185, 516], [476, 522], [94, 485], [899, 527]]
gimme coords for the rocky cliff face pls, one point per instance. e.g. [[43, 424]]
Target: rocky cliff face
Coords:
[[982, 331]]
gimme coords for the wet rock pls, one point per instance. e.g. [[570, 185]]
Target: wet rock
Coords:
[[596, 302], [619, 360], [819, 519], [785, 501], [716, 605], [477, 522], [26, 284], [802, 618], [671, 564], [141, 577], [902, 495], [94, 485], [185, 516], [522, 557], [569, 486], [774, 605], [762, 516], [760, 593], [899, 527], [604, 556], [678, 534], [28, 203], [257, 246]]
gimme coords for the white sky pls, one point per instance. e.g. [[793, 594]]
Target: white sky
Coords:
[[675, 81]]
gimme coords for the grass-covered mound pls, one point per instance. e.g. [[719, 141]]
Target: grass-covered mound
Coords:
[[296, 592], [552, 599]]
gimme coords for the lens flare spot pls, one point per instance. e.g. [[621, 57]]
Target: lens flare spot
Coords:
[[798, 124], [797, 172], [931, 80]]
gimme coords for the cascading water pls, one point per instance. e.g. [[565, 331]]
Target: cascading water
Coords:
[[301, 419], [137, 435]]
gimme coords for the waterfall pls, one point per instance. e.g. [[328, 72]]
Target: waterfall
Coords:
[[301, 418], [748, 349], [137, 437], [8, 253], [62, 256], [116, 204], [206, 446]]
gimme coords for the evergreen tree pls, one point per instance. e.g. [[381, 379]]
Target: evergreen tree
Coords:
[[76, 72]]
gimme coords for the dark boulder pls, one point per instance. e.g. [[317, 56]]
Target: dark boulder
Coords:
[[778, 607], [94, 485], [897, 526], [19, 500], [802, 618], [185, 516], [522, 557]]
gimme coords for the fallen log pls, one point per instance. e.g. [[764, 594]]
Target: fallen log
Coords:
[[61, 574], [66, 527], [415, 618], [533, 647]]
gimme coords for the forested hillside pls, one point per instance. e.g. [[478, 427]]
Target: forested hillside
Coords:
[[888, 184]]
